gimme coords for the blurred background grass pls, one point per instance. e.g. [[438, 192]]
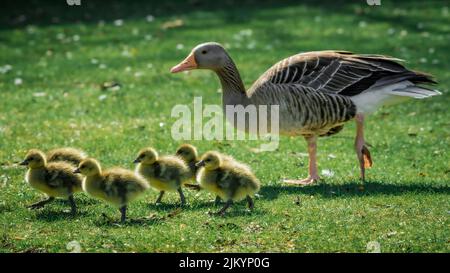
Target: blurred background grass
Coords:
[[56, 65]]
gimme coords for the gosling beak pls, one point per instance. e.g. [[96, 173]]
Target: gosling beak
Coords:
[[188, 64], [24, 163], [77, 170], [201, 163], [136, 161]]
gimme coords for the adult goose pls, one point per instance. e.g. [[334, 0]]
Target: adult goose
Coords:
[[317, 92]]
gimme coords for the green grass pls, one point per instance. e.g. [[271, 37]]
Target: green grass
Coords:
[[404, 205]]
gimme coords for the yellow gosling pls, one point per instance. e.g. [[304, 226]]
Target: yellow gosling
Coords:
[[55, 179], [116, 186], [165, 173], [67, 154], [188, 153], [232, 181]]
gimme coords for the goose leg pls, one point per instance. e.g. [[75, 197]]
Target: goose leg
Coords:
[[182, 198], [313, 173], [161, 194], [41, 204], [123, 213], [362, 152]]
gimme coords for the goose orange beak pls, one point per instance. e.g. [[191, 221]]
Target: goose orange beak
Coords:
[[187, 64]]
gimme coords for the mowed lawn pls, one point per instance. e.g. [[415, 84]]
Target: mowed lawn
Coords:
[[54, 60]]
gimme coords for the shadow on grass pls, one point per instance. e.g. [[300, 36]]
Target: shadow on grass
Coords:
[[51, 215], [237, 209], [369, 188]]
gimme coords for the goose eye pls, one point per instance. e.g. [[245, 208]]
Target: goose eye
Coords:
[[204, 51]]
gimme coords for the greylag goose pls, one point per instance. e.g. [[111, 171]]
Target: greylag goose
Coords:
[[317, 92]]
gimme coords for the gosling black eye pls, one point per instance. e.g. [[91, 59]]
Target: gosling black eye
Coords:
[[204, 51]]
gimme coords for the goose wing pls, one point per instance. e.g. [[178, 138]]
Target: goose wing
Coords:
[[338, 72]]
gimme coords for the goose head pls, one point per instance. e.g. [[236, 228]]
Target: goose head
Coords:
[[147, 156], [187, 152], [89, 167], [210, 160], [209, 55], [34, 159]]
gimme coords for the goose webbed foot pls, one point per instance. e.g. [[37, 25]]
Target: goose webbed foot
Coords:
[[307, 181], [313, 173], [41, 204]]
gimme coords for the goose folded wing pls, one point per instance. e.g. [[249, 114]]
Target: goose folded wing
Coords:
[[337, 72]]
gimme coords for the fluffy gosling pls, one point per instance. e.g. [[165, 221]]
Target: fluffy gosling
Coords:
[[232, 181], [188, 153], [55, 179], [116, 186], [67, 154], [165, 173]]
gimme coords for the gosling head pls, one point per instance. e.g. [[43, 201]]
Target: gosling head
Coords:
[[209, 55], [210, 160], [187, 152], [88, 167], [34, 159], [147, 156]]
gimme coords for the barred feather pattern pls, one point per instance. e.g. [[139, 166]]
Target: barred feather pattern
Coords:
[[314, 89]]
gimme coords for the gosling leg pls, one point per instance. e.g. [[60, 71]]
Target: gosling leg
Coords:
[[42, 203], [362, 152], [161, 194], [313, 173], [182, 198], [73, 206], [123, 212], [250, 202], [225, 207], [217, 201]]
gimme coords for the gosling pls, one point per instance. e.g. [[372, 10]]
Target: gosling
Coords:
[[165, 173], [55, 179], [232, 181], [67, 154], [188, 153], [116, 186]]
